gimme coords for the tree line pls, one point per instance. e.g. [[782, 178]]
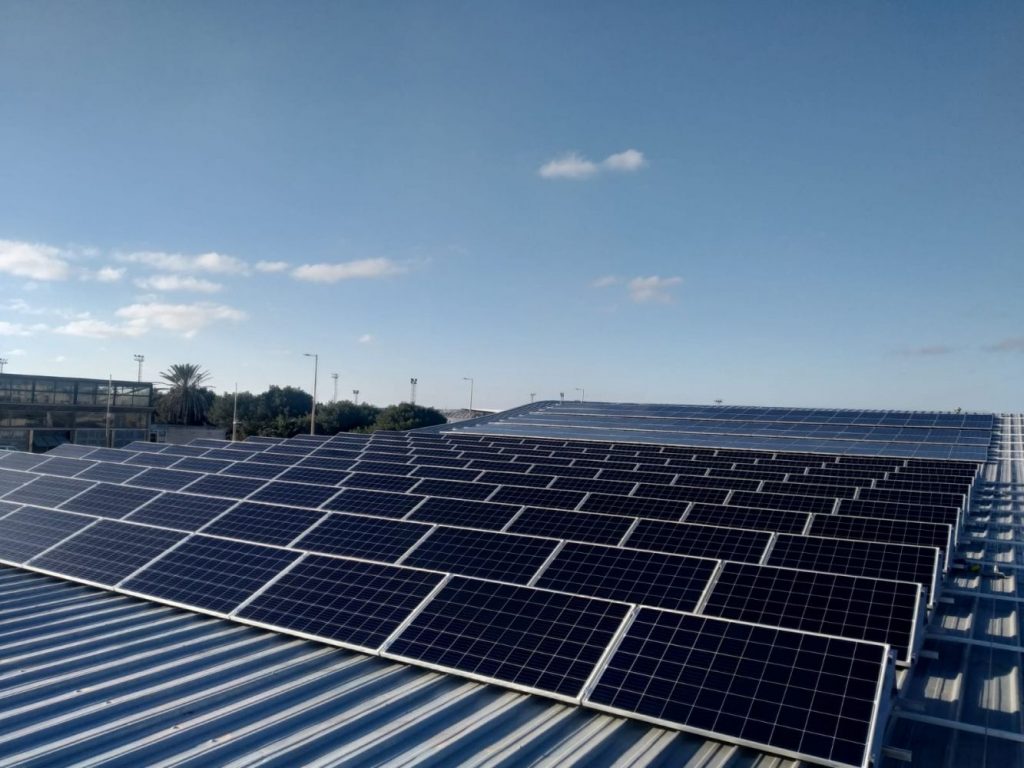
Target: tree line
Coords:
[[278, 412]]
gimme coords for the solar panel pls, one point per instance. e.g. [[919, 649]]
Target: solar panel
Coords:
[[6, 508], [597, 486], [538, 497], [912, 497], [87, 555], [657, 509], [210, 574], [107, 500], [874, 529], [263, 523], [153, 459], [48, 491], [878, 560], [577, 526], [884, 509], [378, 503], [108, 454], [70, 450], [354, 603], [832, 604], [164, 479], [455, 489], [828, 490], [754, 519], [699, 540], [250, 469], [484, 554], [448, 473], [197, 464], [800, 694], [683, 493], [28, 531], [62, 467], [396, 483], [182, 511], [371, 538], [529, 638], [313, 475], [20, 459], [791, 501], [225, 486], [629, 575], [461, 512], [10, 479], [110, 473], [294, 494]]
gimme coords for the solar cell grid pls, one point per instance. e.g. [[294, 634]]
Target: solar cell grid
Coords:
[[682, 493], [313, 475], [87, 555], [699, 540], [326, 462], [575, 526], [627, 476], [798, 693], [830, 490], [110, 473], [185, 450], [516, 478], [448, 473], [163, 479], [910, 512], [483, 554], [70, 450], [181, 511], [633, 506], [549, 469], [630, 575], [436, 461], [789, 501], [753, 519], [225, 486], [358, 604], [28, 531], [62, 467], [455, 489], [394, 483], [196, 464], [876, 529], [371, 538], [250, 469], [854, 607], [537, 497], [226, 455], [263, 523], [462, 512], [498, 466], [210, 574], [48, 491], [381, 467], [108, 500], [516, 635], [587, 485], [912, 497], [6, 508], [11, 479], [293, 494], [152, 459], [108, 454], [380, 503], [282, 460]]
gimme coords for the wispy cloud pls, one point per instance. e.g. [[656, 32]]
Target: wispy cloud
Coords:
[[35, 261], [366, 338], [605, 282], [15, 353], [1012, 344], [93, 328], [347, 270], [573, 165], [217, 263], [166, 283], [109, 274], [653, 289], [18, 329], [139, 319], [271, 266], [931, 350]]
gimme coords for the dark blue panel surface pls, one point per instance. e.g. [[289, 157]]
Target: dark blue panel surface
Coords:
[[370, 538], [263, 523], [184, 511], [28, 531], [484, 554], [108, 500]]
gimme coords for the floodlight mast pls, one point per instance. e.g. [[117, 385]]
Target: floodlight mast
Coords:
[[532, 395], [234, 416], [582, 392], [470, 380], [3, 362], [412, 397], [356, 393], [316, 372], [335, 377], [140, 359]]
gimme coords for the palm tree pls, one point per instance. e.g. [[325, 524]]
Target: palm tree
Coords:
[[187, 401]]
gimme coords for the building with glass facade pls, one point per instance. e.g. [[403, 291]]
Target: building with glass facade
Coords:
[[38, 413]]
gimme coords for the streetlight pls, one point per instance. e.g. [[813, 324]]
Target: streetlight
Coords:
[[470, 380], [532, 395], [582, 392], [356, 393], [335, 377], [413, 382], [234, 416], [140, 359], [316, 370], [561, 398], [3, 362]]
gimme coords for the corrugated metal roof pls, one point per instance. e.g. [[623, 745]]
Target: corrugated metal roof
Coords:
[[89, 677]]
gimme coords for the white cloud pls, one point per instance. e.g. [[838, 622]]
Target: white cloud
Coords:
[[568, 166], [655, 289], [15, 353], [573, 165], [271, 266], [19, 329], [59, 359], [217, 263], [92, 328], [625, 162], [33, 260], [347, 270], [109, 274], [186, 319], [177, 283], [366, 338], [605, 282]]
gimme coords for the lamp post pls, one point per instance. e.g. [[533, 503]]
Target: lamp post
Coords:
[[3, 362], [470, 380], [140, 359], [335, 377], [356, 393], [412, 384], [561, 398], [582, 392], [316, 373], [234, 416], [532, 395]]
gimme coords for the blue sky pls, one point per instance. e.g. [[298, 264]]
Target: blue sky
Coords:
[[796, 204]]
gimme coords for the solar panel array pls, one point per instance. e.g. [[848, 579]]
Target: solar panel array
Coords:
[[623, 576]]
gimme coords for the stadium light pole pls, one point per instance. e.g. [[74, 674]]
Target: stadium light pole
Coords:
[[412, 383], [356, 393], [470, 380], [3, 362], [140, 359], [532, 395], [561, 398], [316, 373], [582, 392], [335, 377], [234, 416]]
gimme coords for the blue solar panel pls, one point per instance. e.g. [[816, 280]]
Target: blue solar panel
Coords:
[[263, 523], [484, 554], [87, 555], [577, 526], [378, 503], [197, 464], [370, 538], [20, 460], [358, 604], [294, 494], [460, 512], [152, 459], [10, 479], [28, 531], [225, 486], [526, 637], [700, 540], [110, 473], [182, 511], [210, 574], [107, 500], [48, 491], [164, 479], [62, 467]]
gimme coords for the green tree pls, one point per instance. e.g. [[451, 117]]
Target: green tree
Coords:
[[344, 416], [187, 401], [407, 416]]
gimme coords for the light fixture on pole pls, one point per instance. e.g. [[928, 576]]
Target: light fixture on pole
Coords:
[[316, 373], [356, 393], [470, 380], [561, 398], [412, 383], [582, 392], [3, 362], [234, 416], [335, 377], [140, 359], [532, 395]]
